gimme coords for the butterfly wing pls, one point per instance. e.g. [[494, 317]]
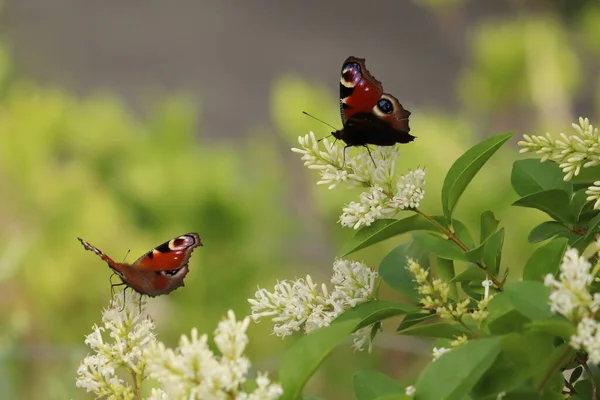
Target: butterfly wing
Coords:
[[170, 255], [162, 269], [359, 90], [389, 109], [370, 116], [111, 263]]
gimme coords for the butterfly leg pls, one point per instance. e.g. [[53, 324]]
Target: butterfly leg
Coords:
[[112, 287], [123, 307], [370, 155], [344, 162]]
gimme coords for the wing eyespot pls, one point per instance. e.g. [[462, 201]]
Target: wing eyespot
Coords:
[[385, 106], [351, 74]]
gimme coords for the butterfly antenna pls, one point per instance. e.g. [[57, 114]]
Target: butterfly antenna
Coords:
[[320, 120], [126, 254]]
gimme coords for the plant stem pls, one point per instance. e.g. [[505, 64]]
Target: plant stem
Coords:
[[136, 386], [474, 334], [588, 371], [451, 236]]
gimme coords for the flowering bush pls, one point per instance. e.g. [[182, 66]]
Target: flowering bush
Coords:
[[126, 345], [524, 332]]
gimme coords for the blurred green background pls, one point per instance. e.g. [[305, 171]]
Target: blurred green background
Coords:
[[129, 124]]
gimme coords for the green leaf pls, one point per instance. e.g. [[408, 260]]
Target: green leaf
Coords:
[[302, 359], [545, 259], [578, 203], [555, 356], [392, 269], [529, 298], [413, 319], [503, 376], [531, 176], [472, 273], [503, 317], [557, 327], [476, 255], [369, 385], [395, 396], [492, 251], [472, 289], [465, 168], [446, 272], [592, 227], [384, 229], [554, 202], [453, 375], [488, 225], [534, 350], [436, 330], [546, 230], [462, 232], [441, 247], [375, 311]]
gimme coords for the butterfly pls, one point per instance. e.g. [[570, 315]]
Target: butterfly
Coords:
[[369, 115], [159, 271]]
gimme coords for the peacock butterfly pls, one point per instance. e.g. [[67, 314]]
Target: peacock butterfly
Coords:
[[369, 115], [158, 272]]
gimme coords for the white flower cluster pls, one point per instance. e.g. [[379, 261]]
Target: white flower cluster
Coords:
[[571, 292], [376, 170], [193, 371], [118, 345], [571, 297], [126, 343], [302, 305], [580, 150]]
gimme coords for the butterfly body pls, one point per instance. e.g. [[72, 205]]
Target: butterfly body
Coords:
[[159, 271], [369, 115]]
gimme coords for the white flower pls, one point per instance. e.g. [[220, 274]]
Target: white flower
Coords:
[[376, 170], [362, 337], [570, 294], [410, 390], [193, 371], [126, 342], [119, 344], [437, 352], [588, 338], [581, 150], [410, 191], [158, 394], [593, 193], [265, 390], [486, 284], [353, 280], [302, 305]]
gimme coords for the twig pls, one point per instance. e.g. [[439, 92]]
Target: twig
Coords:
[[583, 361]]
